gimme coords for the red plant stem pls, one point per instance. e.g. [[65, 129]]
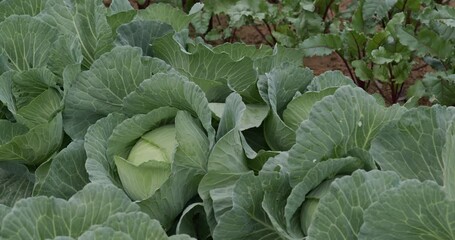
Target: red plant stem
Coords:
[[349, 70], [262, 35]]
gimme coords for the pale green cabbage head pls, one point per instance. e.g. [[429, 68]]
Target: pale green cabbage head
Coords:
[[149, 163]]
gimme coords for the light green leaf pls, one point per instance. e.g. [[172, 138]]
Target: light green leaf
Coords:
[[313, 174], [448, 157], [172, 90], [118, 6], [414, 210], [16, 182], [299, 108], [329, 79], [142, 34], [216, 73], [277, 89], [193, 222], [226, 164], [29, 148], [382, 56], [100, 90], [136, 225], [12, 7], [26, 41], [166, 13], [321, 45], [66, 173], [412, 147], [100, 233], [43, 217], [339, 214], [246, 219], [83, 20], [99, 168], [252, 117], [339, 123]]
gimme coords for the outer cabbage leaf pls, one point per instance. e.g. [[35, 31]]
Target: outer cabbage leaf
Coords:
[[85, 20], [11, 7], [101, 90], [394, 215], [142, 34], [26, 41], [43, 217], [448, 157], [277, 88], [63, 175], [339, 214], [216, 73], [338, 124], [413, 145], [166, 13], [16, 182]]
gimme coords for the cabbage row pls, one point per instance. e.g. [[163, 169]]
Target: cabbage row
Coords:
[[115, 124]]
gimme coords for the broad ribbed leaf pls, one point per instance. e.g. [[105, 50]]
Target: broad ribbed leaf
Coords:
[[314, 174], [337, 124], [329, 79], [321, 45], [29, 148], [26, 41], [99, 167], [85, 21], [277, 89], [448, 156], [142, 34], [100, 90], [136, 225], [65, 174], [414, 210], [171, 90], [16, 182], [216, 73], [413, 146], [246, 219], [193, 222], [13, 7], [165, 13], [43, 217], [339, 214]]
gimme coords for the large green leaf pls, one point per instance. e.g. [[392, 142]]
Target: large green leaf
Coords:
[[413, 210], [216, 73], [339, 214], [314, 174], [85, 21], [440, 87], [337, 124], [44, 217], [100, 90], [426, 41], [142, 34], [413, 146], [16, 182], [64, 174], [193, 222], [26, 41], [172, 90], [448, 156], [99, 168], [166, 13], [321, 45], [29, 148], [277, 88], [11, 7], [246, 219]]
